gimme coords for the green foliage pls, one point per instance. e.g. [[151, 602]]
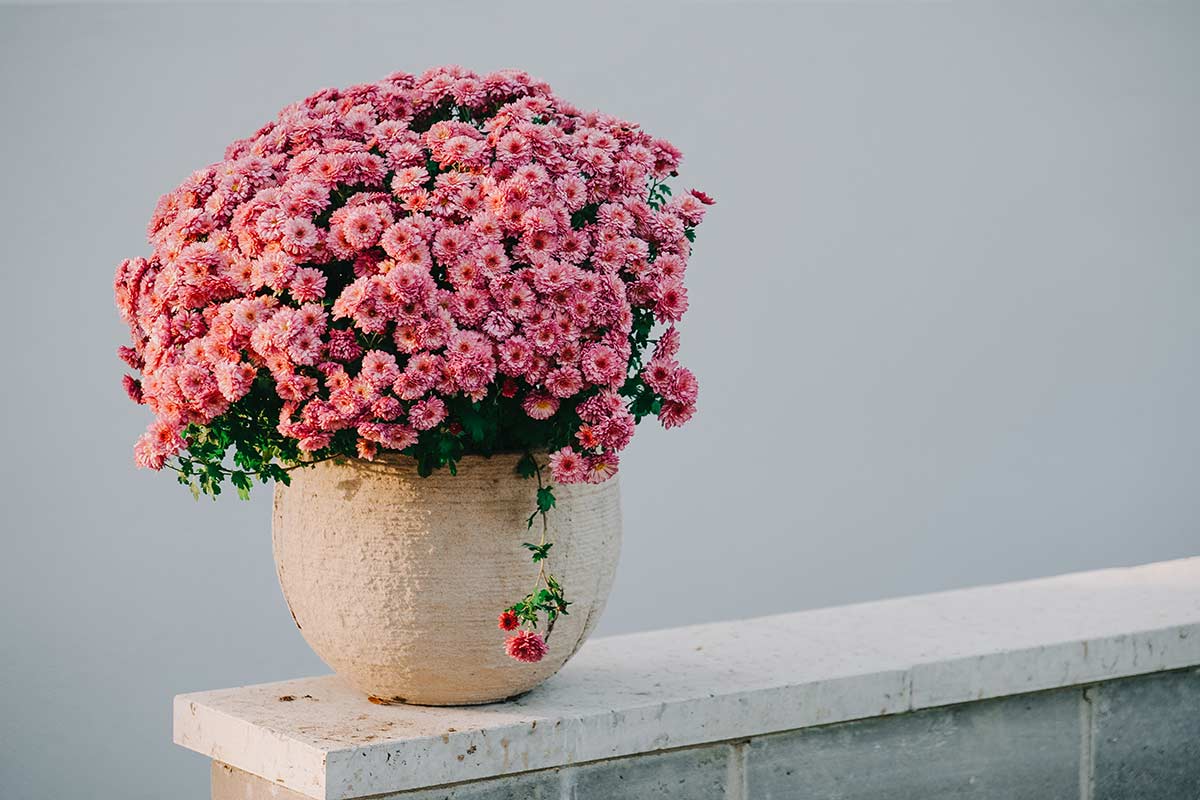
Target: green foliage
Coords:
[[241, 482], [539, 551], [526, 466], [639, 336], [660, 194], [548, 601], [443, 111], [545, 499], [249, 428], [584, 216], [245, 439], [480, 427], [643, 401], [545, 502]]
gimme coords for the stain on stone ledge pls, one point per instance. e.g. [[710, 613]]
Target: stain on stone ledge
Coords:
[[349, 488]]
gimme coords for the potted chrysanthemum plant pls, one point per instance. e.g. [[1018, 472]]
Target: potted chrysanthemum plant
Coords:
[[432, 310]]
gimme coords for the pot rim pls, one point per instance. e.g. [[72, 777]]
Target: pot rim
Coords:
[[393, 458]]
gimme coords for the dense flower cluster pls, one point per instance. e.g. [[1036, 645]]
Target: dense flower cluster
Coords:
[[435, 265]]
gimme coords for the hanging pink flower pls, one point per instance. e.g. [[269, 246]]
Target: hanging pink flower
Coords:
[[526, 646]]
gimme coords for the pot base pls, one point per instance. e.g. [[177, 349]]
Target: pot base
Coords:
[[400, 701]]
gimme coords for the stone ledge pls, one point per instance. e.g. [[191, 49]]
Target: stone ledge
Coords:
[[668, 689]]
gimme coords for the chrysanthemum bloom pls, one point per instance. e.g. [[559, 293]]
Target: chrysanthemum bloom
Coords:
[[133, 388], [602, 467], [540, 406], [526, 646], [427, 413], [508, 621], [567, 466]]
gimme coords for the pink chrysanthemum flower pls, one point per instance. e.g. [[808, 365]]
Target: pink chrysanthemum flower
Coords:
[[564, 382], [601, 367], [308, 285], [526, 646], [379, 368], [616, 432], [343, 345], [672, 415], [667, 346], [315, 442], [361, 227], [671, 301], [683, 387], [659, 374], [540, 405], [133, 388], [298, 236], [367, 450], [567, 466], [602, 467], [427, 413]]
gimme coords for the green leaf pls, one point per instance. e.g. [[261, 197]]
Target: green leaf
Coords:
[[545, 499], [473, 423], [539, 550], [526, 466], [584, 216], [241, 482]]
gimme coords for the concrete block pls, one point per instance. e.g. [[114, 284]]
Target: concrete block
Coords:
[[698, 773], [1146, 737], [1021, 748], [231, 783]]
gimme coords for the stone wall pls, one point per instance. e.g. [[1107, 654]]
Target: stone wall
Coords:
[[1131, 739]]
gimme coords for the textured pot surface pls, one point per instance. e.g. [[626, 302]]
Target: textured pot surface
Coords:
[[396, 580]]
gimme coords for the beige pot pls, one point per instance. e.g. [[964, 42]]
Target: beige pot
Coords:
[[396, 580]]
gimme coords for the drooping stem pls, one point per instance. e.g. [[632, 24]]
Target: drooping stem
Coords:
[[541, 576], [546, 597]]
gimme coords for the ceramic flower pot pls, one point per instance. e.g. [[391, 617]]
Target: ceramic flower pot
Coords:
[[396, 581]]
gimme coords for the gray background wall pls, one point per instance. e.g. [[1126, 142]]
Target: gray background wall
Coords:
[[946, 319]]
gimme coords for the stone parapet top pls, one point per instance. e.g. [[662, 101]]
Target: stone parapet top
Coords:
[[645, 692]]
